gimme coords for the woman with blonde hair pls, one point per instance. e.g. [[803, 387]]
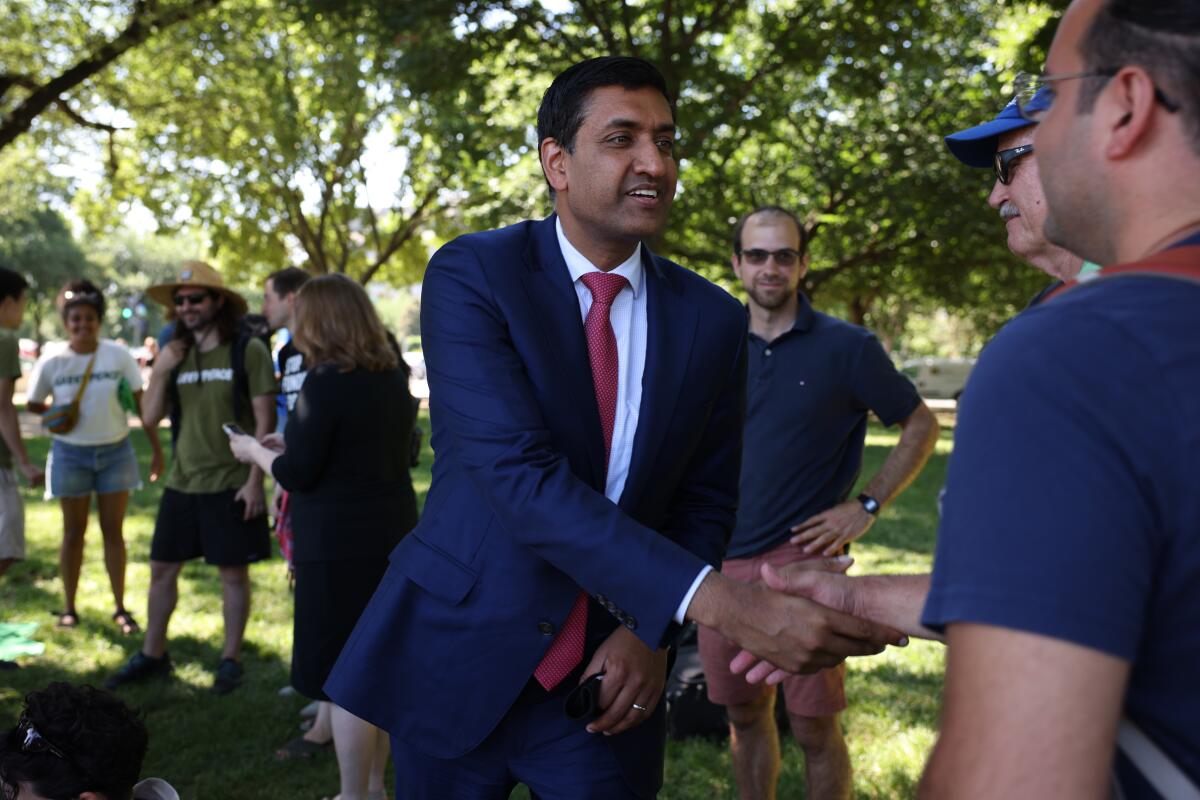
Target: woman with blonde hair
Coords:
[[344, 458]]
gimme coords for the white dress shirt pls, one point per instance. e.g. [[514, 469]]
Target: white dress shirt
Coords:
[[629, 323]]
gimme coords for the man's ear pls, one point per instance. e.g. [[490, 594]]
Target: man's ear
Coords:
[[1126, 111], [554, 163], [804, 260]]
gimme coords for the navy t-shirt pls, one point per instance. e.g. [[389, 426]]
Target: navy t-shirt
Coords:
[[1071, 506], [808, 395]]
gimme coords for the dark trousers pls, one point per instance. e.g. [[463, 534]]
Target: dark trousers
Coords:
[[535, 744]]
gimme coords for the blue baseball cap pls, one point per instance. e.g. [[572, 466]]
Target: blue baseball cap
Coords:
[[976, 147]]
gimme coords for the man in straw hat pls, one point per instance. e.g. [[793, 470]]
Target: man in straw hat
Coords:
[[213, 372]]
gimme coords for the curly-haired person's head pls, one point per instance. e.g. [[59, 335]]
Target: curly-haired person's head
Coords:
[[73, 742]]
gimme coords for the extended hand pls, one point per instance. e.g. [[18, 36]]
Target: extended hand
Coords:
[[633, 673], [832, 529], [802, 579], [252, 496], [794, 634]]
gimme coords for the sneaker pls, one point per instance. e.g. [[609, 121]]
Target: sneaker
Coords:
[[229, 676], [139, 668]]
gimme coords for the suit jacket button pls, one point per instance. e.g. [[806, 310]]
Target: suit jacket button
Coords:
[[546, 628]]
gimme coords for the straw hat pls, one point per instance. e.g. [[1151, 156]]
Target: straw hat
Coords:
[[199, 275]]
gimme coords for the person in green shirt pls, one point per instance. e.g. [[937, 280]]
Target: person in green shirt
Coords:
[[210, 375], [12, 511]]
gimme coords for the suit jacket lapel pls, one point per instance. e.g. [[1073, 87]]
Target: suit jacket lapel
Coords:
[[556, 307], [671, 330]]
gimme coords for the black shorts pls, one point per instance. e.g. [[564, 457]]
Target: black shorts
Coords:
[[209, 525]]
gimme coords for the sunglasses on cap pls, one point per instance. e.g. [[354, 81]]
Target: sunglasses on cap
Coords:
[[182, 300], [785, 257], [1005, 160]]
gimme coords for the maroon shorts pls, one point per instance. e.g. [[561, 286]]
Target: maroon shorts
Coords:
[[820, 695]]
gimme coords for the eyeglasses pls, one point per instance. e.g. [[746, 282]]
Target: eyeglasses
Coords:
[[1005, 159], [34, 742], [785, 257], [1034, 95], [190, 299]]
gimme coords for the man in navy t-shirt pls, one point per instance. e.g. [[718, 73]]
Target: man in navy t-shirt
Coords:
[[1066, 609], [812, 382]]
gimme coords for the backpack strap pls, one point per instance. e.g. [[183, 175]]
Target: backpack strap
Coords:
[[241, 381], [1178, 263]]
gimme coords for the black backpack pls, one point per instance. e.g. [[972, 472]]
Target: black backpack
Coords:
[[250, 326], [689, 712]]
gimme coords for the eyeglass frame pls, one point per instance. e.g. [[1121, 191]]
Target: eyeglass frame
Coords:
[[181, 300], [32, 737], [784, 256], [1026, 84], [1003, 162]]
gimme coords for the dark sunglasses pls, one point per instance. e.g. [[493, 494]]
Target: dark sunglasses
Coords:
[[191, 299], [784, 258], [1004, 161]]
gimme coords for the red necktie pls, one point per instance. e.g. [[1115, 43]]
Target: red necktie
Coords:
[[566, 651]]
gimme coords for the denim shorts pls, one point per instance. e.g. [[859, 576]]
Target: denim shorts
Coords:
[[79, 470]]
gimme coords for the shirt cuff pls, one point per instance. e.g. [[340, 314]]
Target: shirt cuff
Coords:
[[681, 612]]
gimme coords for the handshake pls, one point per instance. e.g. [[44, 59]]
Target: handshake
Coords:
[[809, 616]]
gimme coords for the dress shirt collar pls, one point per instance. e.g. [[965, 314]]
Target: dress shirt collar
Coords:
[[578, 264]]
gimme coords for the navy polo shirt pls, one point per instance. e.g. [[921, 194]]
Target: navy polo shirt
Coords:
[[809, 392]]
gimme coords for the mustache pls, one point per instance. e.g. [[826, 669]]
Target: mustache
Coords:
[[1008, 211]]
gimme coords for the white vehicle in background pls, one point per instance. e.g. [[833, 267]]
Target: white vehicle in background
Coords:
[[939, 378]]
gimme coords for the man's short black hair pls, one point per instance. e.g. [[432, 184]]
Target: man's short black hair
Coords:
[[12, 284], [287, 280], [774, 211], [564, 105], [1163, 37], [101, 740]]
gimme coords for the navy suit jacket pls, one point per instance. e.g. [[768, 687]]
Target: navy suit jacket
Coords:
[[516, 520]]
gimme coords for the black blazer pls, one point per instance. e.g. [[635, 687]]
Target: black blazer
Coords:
[[346, 464]]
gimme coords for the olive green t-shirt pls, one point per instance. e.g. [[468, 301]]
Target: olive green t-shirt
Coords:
[[10, 367], [203, 462]]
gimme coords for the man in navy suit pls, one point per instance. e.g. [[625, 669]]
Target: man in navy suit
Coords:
[[587, 400]]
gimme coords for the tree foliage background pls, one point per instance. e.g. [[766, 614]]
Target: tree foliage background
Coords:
[[355, 135]]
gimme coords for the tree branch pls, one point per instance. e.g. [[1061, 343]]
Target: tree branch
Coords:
[[141, 26]]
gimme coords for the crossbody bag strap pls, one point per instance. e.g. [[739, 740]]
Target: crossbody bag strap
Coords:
[[87, 376], [1155, 766]]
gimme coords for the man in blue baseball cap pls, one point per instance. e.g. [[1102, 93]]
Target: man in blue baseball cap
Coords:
[[1006, 145]]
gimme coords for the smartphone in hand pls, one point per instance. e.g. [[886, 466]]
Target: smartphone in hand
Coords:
[[231, 429]]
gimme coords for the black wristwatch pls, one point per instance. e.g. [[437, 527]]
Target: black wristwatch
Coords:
[[869, 504]]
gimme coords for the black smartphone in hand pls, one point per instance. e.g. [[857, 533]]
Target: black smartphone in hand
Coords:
[[231, 429]]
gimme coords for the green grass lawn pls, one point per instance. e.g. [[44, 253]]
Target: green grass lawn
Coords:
[[215, 748]]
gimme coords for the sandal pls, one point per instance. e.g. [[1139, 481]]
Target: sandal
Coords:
[[126, 622], [66, 619], [301, 748]]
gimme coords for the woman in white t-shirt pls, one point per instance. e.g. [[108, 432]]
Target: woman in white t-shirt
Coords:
[[95, 456]]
